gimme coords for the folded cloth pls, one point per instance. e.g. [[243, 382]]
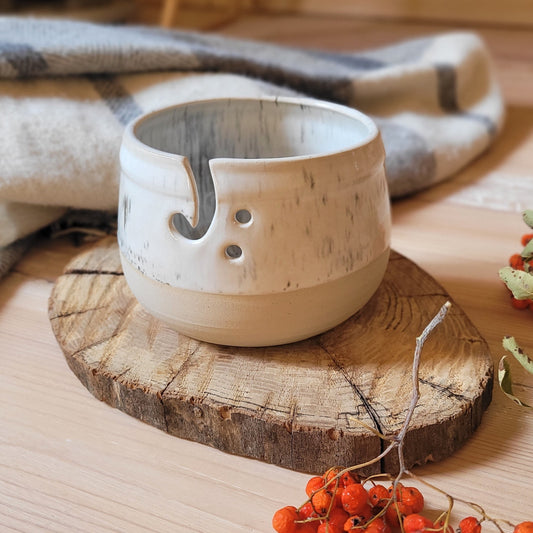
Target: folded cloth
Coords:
[[67, 89]]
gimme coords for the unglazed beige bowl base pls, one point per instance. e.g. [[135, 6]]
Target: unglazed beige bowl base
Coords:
[[258, 320]]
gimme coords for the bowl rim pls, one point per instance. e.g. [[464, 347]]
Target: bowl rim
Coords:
[[131, 138]]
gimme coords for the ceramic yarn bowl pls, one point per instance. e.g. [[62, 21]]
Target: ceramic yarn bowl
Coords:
[[253, 222]]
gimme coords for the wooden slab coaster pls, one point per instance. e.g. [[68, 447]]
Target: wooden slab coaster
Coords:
[[295, 405]]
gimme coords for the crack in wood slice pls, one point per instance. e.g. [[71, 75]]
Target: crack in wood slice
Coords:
[[296, 405]]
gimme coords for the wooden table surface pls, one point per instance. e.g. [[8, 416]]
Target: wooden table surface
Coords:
[[71, 463]]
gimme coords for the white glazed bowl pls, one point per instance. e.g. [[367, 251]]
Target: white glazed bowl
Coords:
[[253, 222]]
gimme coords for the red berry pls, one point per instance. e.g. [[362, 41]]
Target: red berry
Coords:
[[314, 484], [348, 478], [306, 511], [284, 519], [395, 509], [334, 485], [326, 527], [399, 488], [355, 522], [308, 527], [415, 523], [470, 524], [322, 502], [378, 496], [519, 304], [338, 517], [354, 498], [329, 478], [334, 523], [377, 526], [524, 527], [412, 497], [526, 238], [516, 262], [337, 497]]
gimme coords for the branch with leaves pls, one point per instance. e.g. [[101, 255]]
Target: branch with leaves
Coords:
[[519, 275], [519, 280]]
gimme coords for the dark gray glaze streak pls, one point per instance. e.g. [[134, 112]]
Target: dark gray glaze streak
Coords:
[[239, 129]]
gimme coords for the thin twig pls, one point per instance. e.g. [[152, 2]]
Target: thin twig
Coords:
[[420, 340]]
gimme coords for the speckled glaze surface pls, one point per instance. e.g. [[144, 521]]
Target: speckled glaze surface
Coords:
[[253, 221]]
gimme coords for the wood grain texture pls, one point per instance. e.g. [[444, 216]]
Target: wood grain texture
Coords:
[[295, 405], [513, 12]]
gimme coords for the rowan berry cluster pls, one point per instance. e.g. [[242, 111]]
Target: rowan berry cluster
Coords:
[[338, 502], [518, 262]]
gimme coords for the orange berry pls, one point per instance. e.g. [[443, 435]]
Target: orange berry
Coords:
[[306, 511], [334, 523], [308, 527], [526, 238], [355, 522], [322, 502], [354, 498], [314, 484], [338, 517], [519, 304], [395, 509], [516, 262], [378, 496], [284, 519], [412, 497], [377, 526], [338, 498], [326, 527], [329, 475], [470, 524], [415, 523], [348, 478], [334, 485], [399, 488], [524, 527]]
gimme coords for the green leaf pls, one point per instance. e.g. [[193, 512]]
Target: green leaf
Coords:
[[527, 215], [504, 379], [527, 252], [520, 283], [510, 345]]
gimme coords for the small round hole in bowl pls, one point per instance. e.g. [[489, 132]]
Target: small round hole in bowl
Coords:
[[243, 216], [233, 251]]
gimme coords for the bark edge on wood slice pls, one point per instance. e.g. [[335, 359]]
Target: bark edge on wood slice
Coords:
[[295, 405]]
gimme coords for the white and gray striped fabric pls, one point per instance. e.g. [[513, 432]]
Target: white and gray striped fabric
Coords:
[[68, 88]]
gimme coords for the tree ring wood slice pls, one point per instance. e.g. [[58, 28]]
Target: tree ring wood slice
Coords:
[[297, 405]]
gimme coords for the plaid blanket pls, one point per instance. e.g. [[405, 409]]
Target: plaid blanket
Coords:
[[68, 88]]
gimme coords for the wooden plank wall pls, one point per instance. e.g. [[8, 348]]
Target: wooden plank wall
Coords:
[[510, 13]]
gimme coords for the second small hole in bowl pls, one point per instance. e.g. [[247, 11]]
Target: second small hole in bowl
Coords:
[[233, 251], [243, 216]]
